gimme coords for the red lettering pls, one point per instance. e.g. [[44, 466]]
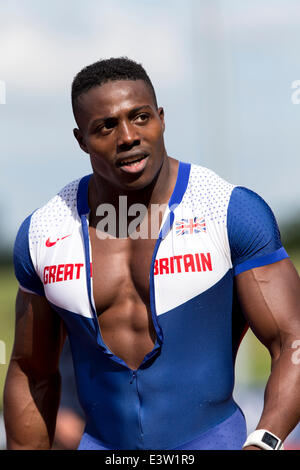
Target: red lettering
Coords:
[[59, 272], [62, 272], [78, 266], [172, 264], [206, 261], [198, 264], [164, 265], [68, 274], [178, 258], [46, 269], [52, 271], [189, 263]]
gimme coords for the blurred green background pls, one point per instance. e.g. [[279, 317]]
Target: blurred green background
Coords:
[[8, 289]]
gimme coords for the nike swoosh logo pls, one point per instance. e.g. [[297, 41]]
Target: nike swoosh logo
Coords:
[[49, 243]]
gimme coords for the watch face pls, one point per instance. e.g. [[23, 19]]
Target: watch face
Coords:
[[270, 440]]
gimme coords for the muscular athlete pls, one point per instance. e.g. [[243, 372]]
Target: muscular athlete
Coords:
[[154, 322]]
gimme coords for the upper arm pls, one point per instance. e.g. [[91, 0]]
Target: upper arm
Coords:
[[270, 299], [253, 233], [39, 331], [32, 386], [267, 283], [39, 336]]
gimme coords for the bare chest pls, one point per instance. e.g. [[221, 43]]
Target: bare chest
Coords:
[[120, 270], [120, 276]]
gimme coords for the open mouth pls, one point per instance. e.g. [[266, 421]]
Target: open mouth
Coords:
[[133, 165], [131, 162]]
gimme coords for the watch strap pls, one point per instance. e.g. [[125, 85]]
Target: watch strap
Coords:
[[264, 439]]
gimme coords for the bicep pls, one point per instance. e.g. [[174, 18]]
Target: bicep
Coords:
[[270, 298], [39, 335]]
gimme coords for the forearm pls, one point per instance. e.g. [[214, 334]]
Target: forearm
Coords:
[[281, 411], [30, 409]]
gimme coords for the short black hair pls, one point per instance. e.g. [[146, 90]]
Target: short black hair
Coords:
[[107, 70]]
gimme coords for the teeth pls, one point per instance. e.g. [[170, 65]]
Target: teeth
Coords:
[[132, 163]]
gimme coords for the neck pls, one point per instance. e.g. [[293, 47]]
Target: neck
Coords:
[[157, 192]]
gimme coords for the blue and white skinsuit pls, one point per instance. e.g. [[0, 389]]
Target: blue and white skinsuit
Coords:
[[180, 397]]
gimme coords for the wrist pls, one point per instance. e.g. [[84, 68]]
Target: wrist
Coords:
[[263, 439]]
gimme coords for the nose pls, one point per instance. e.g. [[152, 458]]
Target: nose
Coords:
[[127, 136]]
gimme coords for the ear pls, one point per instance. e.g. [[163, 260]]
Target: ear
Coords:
[[161, 114], [80, 139]]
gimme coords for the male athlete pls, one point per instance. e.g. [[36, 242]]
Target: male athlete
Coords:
[[154, 322]]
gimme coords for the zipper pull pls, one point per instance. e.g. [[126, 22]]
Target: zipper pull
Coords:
[[133, 376]]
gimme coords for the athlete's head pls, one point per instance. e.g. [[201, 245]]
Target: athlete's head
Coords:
[[108, 70], [118, 120]]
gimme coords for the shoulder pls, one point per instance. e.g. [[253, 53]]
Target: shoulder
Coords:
[[62, 205], [208, 191], [55, 212], [253, 231], [208, 179], [248, 211], [238, 201], [243, 216], [46, 222]]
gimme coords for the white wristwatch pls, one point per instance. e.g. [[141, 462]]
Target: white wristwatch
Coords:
[[264, 439]]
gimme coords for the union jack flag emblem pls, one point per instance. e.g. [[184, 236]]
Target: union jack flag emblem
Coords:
[[189, 226]]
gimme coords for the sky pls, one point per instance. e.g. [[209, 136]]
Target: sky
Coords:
[[223, 71]]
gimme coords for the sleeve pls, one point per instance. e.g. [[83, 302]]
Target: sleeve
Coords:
[[25, 273], [253, 233]]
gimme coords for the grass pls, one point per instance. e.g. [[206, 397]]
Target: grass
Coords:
[[8, 290]]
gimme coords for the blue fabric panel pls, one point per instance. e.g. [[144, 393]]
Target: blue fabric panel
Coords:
[[277, 255], [194, 372], [252, 230], [82, 196], [91, 443], [230, 434], [24, 270], [181, 184], [69, 398]]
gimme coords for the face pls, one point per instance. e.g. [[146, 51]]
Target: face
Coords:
[[122, 131]]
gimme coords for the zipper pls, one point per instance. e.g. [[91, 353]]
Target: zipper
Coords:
[[134, 377]]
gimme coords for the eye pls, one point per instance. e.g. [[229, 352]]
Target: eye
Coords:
[[102, 130], [142, 118], [106, 127], [110, 123]]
